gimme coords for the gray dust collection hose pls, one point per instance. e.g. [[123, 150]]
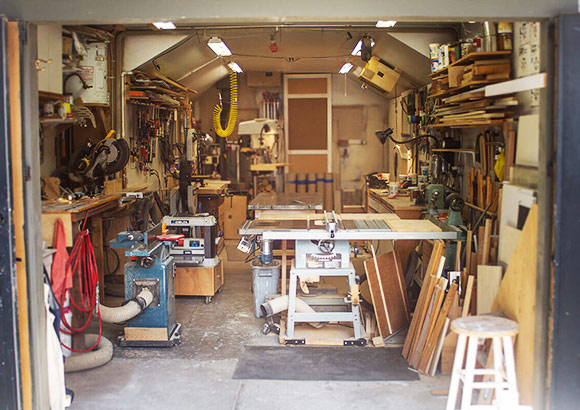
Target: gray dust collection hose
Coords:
[[102, 354], [128, 311], [280, 304]]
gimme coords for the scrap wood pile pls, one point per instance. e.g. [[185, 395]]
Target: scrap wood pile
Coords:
[[438, 299], [460, 98], [441, 300]]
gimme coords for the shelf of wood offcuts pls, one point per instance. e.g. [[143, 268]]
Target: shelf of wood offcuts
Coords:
[[459, 99]]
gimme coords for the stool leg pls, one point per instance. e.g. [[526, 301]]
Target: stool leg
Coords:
[[468, 375], [457, 364], [510, 365], [498, 368]]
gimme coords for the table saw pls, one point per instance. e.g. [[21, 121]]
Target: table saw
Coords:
[[323, 249]]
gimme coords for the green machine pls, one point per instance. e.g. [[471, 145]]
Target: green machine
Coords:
[[440, 198]]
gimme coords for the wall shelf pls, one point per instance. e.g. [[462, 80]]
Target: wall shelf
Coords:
[[476, 55]]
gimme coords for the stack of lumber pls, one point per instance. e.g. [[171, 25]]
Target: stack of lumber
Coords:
[[428, 328], [483, 191], [475, 110], [463, 102], [474, 70], [156, 89]]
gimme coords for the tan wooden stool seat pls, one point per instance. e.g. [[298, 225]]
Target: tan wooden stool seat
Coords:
[[470, 330], [485, 326]]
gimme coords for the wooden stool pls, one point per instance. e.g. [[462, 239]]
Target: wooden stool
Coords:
[[470, 330]]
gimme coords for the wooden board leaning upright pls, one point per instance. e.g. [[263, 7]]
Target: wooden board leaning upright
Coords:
[[427, 288], [390, 301]]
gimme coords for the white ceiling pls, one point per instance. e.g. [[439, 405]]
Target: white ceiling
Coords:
[[304, 50]]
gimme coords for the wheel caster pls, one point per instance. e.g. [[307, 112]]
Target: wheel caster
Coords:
[[266, 329], [220, 290], [207, 300]]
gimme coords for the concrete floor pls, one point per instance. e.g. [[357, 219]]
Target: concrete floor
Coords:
[[198, 373]]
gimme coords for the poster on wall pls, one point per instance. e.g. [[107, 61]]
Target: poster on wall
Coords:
[[528, 53]]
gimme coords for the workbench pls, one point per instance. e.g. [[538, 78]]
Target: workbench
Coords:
[[277, 169], [379, 202], [403, 207], [72, 213], [292, 203]]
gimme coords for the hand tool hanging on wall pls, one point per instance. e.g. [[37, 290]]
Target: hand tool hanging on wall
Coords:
[[152, 123]]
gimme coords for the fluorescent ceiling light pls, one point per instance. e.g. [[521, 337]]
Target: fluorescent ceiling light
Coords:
[[219, 47], [164, 25], [358, 47], [346, 67], [386, 23], [235, 67]]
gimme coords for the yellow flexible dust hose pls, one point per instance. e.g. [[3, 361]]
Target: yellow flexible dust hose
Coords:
[[217, 111]]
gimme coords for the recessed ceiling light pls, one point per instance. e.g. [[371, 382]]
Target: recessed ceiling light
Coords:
[[164, 25], [219, 47], [358, 47], [386, 23], [235, 67], [346, 67]]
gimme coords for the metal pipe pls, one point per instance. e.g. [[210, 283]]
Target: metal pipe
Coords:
[[123, 102], [195, 70], [267, 251]]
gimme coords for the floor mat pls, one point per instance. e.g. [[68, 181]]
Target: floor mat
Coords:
[[323, 363]]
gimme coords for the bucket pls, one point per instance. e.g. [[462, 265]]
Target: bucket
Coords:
[[265, 279]]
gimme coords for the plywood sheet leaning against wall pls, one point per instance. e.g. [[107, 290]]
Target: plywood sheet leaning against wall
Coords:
[[388, 292], [517, 300]]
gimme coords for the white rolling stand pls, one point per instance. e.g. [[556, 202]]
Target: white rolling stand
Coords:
[[296, 317]]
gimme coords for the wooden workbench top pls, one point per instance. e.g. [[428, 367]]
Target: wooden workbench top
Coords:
[[286, 201], [268, 167], [213, 187], [397, 204], [77, 206]]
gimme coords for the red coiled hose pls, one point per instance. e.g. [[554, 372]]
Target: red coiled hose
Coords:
[[83, 265]]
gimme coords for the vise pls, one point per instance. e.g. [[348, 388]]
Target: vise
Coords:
[[150, 266]]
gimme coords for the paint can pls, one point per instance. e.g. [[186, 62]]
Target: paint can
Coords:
[[434, 50], [393, 189]]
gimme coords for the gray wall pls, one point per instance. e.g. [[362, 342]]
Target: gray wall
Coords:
[[95, 11]]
